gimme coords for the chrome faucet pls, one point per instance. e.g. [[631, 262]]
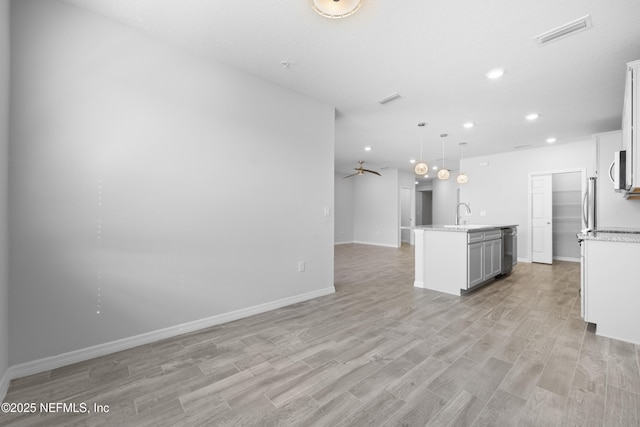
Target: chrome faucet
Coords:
[[466, 205]]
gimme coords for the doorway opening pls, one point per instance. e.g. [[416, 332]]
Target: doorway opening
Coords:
[[555, 214], [424, 207]]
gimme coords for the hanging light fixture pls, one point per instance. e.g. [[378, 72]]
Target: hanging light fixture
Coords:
[[335, 8], [443, 173], [421, 168], [462, 178]]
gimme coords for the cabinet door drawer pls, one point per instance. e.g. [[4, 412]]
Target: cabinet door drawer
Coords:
[[492, 234], [475, 264], [475, 237]]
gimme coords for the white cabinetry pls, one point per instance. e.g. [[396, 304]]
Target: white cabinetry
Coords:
[[610, 288], [484, 256], [455, 259], [492, 258], [475, 264], [492, 253], [630, 119]]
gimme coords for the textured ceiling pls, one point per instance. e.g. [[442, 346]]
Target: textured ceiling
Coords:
[[435, 54]]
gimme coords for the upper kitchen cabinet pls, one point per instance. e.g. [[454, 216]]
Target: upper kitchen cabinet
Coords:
[[630, 119]]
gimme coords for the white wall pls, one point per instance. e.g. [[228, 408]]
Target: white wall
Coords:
[[500, 189], [4, 144], [150, 188], [445, 200], [375, 208], [343, 224], [375, 202]]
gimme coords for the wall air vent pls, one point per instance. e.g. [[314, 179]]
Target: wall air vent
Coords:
[[565, 30], [388, 99]]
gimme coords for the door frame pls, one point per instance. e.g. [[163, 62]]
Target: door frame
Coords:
[[583, 188]]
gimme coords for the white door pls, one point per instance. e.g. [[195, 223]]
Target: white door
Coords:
[[541, 216]]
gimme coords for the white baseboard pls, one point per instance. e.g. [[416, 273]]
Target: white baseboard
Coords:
[[343, 243], [53, 362], [375, 244], [4, 384], [566, 258]]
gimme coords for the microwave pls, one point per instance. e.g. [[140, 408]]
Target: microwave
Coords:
[[618, 171]]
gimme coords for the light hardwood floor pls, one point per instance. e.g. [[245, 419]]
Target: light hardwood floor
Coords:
[[377, 353]]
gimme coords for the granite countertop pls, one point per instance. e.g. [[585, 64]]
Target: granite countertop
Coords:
[[612, 234], [464, 228]]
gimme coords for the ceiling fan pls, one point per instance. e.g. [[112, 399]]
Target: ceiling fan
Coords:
[[361, 170]]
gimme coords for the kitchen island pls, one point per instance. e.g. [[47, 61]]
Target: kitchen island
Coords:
[[457, 258]]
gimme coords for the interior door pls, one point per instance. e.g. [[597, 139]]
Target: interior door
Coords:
[[541, 219]]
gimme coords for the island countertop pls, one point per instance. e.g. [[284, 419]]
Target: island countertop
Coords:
[[465, 228], [626, 235]]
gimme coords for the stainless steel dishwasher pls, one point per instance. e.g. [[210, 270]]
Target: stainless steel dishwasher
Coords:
[[509, 239]]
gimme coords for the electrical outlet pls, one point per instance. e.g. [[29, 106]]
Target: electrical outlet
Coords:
[[301, 266]]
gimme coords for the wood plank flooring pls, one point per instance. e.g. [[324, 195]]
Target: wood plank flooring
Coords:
[[379, 352]]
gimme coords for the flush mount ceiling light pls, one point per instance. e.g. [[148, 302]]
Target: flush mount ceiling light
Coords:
[[531, 117], [443, 173], [412, 161], [567, 29], [468, 125], [367, 148], [495, 73], [551, 140], [462, 178], [389, 98], [421, 168], [335, 8]]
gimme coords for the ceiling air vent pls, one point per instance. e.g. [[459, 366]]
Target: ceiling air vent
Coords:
[[565, 30], [388, 99]]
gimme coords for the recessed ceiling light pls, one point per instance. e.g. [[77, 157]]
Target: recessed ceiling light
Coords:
[[335, 9], [412, 161], [551, 140], [416, 182], [435, 168], [495, 73], [469, 125], [367, 148], [531, 116], [426, 176]]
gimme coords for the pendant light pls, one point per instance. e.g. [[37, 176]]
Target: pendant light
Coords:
[[462, 178], [421, 168], [443, 173], [335, 8]]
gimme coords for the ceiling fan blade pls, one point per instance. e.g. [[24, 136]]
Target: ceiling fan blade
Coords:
[[370, 171], [349, 176]]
